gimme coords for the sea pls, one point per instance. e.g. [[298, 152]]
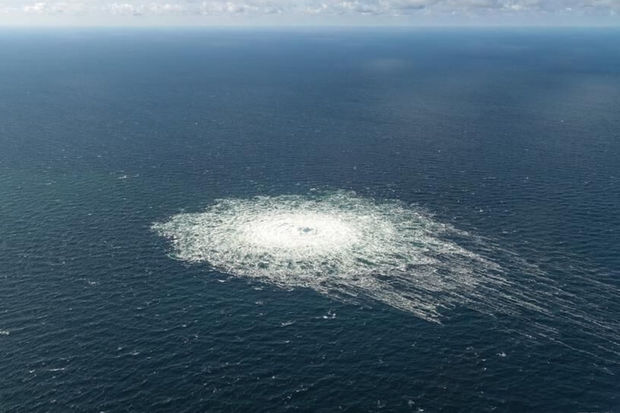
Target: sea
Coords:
[[310, 220]]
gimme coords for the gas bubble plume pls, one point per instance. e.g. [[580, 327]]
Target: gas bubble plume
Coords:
[[341, 245]]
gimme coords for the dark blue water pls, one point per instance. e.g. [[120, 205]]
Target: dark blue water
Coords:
[[511, 136]]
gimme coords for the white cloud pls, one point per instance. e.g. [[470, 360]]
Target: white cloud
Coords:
[[345, 10]]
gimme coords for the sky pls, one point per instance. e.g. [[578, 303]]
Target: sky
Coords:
[[310, 12]]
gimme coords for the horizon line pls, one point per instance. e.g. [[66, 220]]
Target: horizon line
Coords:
[[303, 26]]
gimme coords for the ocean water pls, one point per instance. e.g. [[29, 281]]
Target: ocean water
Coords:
[[310, 220]]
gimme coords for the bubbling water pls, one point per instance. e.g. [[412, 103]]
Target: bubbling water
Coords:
[[313, 232], [338, 244], [358, 249]]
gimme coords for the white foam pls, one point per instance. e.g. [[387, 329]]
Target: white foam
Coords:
[[354, 248], [338, 244]]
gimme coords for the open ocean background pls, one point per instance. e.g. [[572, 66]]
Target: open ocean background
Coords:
[[513, 136]]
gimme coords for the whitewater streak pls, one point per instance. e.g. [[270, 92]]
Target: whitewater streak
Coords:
[[355, 248], [341, 245]]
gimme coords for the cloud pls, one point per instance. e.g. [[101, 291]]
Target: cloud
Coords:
[[346, 10]]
